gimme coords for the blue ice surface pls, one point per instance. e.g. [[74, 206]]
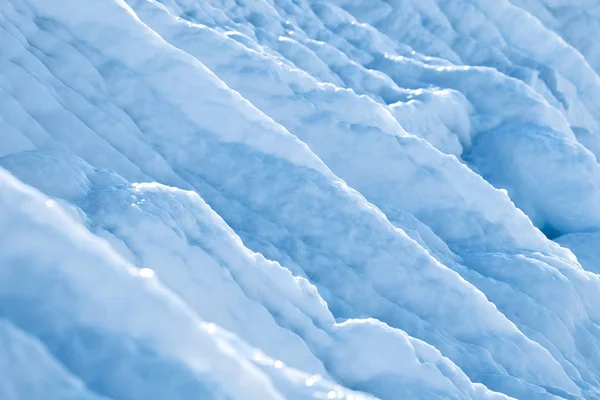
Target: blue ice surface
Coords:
[[206, 199]]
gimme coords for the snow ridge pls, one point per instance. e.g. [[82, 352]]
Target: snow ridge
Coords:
[[299, 199]]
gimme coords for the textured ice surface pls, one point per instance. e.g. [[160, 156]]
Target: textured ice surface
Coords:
[[299, 199]]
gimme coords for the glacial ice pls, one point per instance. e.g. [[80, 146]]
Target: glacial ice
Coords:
[[299, 199]]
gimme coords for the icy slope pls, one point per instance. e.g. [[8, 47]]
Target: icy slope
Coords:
[[244, 292], [495, 102], [117, 326], [365, 165], [577, 22], [317, 134]]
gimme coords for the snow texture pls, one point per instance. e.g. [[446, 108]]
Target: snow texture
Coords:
[[277, 199]]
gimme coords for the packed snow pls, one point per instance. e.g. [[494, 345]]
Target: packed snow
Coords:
[[294, 199]]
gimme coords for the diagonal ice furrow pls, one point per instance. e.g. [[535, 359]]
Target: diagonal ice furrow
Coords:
[[79, 97], [350, 151], [576, 22], [117, 328], [191, 250], [46, 291], [77, 364], [327, 157], [316, 183], [499, 35], [285, 197], [498, 104]]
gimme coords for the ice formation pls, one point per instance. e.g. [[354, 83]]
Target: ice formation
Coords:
[[294, 199]]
